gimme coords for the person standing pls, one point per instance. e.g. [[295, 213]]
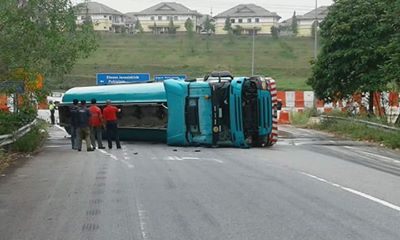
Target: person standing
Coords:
[[83, 130], [52, 108], [110, 116], [74, 123], [96, 123]]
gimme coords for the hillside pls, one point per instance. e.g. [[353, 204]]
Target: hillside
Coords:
[[286, 60]]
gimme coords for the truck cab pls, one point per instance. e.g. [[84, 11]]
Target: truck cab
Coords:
[[220, 110]]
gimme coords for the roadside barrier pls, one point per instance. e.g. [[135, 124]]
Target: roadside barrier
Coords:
[[369, 124], [284, 117], [13, 137], [384, 103]]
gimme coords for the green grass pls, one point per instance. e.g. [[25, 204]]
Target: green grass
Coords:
[[286, 60], [359, 131], [301, 119], [32, 140]]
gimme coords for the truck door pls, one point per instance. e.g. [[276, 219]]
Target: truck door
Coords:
[[265, 110], [236, 110]]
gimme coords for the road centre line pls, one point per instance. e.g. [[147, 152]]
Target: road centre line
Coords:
[[361, 194], [142, 220]]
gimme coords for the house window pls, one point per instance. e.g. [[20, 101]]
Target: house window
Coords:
[[249, 20], [159, 18], [105, 16], [240, 20], [232, 20], [110, 17], [176, 18], [152, 18], [257, 20], [82, 17]]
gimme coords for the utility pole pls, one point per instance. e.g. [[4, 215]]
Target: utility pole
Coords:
[[252, 59], [316, 31]]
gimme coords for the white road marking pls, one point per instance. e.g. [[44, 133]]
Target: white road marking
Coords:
[[54, 146], [115, 158], [142, 221], [127, 164], [176, 158], [61, 128], [361, 194], [374, 155]]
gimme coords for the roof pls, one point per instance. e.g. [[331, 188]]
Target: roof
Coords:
[[322, 12], [96, 8], [130, 17], [247, 10], [168, 8]]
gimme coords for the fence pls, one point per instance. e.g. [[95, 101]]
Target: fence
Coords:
[[13, 137]]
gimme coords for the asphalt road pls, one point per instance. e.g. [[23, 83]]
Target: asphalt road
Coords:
[[309, 186]]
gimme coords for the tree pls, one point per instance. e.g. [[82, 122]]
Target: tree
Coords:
[[209, 27], [138, 26], [189, 28], [391, 22], [41, 36], [237, 30], [275, 32], [353, 50], [228, 25], [294, 26], [189, 25], [171, 27]]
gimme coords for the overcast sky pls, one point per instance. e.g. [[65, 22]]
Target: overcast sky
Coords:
[[284, 8]]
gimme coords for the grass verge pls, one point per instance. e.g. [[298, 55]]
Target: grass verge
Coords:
[[302, 119], [360, 132], [286, 59], [29, 143]]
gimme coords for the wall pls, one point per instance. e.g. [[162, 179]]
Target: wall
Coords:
[[265, 24], [148, 24]]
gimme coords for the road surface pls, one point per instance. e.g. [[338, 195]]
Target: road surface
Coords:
[[309, 186]]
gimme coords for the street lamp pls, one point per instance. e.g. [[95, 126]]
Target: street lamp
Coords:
[[252, 60], [316, 31]]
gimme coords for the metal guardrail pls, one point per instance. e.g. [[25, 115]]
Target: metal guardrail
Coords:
[[13, 137], [370, 124]]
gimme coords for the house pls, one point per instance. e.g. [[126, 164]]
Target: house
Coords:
[[249, 17], [103, 17], [305, 22], [156, 19], [130, 21]]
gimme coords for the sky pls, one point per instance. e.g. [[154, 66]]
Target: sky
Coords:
[[284, 8]]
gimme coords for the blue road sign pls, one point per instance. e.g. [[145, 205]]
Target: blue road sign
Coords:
[[158, 78], [12, 86], [121, 78]]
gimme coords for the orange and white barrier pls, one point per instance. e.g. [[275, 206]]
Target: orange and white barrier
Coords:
[[298, 100]]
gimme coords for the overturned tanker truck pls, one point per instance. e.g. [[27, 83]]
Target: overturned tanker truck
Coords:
[[217, 110]]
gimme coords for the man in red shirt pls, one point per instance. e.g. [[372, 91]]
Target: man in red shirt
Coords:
[[96, 123], [110, 117]]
